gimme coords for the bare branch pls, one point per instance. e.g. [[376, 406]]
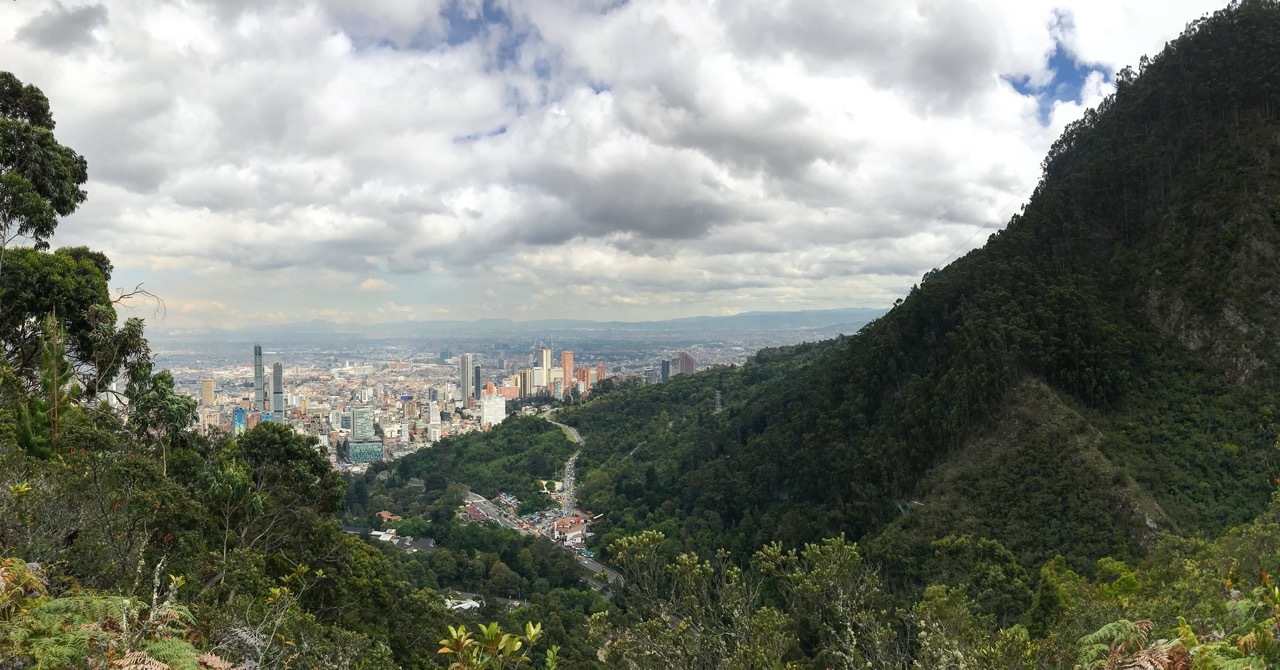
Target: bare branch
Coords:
[[122, 296]]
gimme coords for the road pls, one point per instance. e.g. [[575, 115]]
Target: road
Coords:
[[596, 568], [569, 500], [567, 508]]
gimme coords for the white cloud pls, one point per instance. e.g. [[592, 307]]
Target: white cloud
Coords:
[[373, 284], [650, 159]]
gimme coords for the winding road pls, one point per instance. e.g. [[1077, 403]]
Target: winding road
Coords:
[[570, 501]]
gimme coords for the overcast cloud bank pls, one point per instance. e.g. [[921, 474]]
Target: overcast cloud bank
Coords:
[[385, 160]]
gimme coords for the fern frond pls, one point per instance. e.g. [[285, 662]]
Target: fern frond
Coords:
[[1116, 638], [212, 662], [177, 653], [138, 660]]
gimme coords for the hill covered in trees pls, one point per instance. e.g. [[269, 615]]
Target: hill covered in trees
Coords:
[[1103, 370]]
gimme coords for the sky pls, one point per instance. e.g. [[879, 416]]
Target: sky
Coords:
[[272, 161]]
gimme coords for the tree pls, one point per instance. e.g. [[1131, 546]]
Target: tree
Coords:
[[43, 414], [69, 284], [40, 180], [836, 596], [158, 414], [689, 613]]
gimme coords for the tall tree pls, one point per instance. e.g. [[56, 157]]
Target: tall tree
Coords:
[[40, 179], [40, 182]]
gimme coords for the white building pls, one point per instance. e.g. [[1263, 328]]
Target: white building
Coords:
[[493, 410]]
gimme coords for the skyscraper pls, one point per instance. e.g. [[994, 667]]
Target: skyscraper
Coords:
[[206, 392], [526, 383], [259, 391], [566, 370], [666, 369], [277, 391], [362, 424], [493, 410], [688, 365], [544, 360], [433, 421], [466, 372], [475, 382]]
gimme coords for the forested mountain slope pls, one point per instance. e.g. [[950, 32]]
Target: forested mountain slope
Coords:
[[1103, 368]]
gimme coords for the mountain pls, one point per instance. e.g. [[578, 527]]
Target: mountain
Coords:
[[834, 320], [1103, 370]]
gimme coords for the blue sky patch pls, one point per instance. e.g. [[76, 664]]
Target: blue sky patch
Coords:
[[473, 137], [463, 27], [1069, 75]]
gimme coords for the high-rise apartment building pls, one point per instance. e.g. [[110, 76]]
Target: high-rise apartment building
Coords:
[[566, 370], [601, 373], [526, 383], [362, 424], [206, 392], [277, 391], [259, 390], [466, 370], [688, 365], [493, 410]]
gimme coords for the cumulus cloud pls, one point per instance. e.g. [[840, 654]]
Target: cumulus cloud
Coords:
[[637, 160]]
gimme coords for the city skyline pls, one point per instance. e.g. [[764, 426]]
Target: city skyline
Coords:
[[428, 160], [365, 411]]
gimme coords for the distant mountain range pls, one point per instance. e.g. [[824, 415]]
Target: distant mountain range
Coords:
[[847, 320]]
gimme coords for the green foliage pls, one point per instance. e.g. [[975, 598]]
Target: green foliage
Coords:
[[689, 613], [1052, 597], [44, 413], [952, 635], [70, 285], [987, 572], [40, 179], [157, 413], [511, 458], [844, 617], [83, 629], [492, 649]]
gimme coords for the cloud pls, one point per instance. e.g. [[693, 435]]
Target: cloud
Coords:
[[62, 30], [391, 309], [631, 160]]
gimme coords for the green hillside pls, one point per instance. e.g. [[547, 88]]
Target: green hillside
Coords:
[[1101, 370]]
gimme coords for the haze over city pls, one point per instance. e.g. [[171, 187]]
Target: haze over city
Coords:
[[276, 162]]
